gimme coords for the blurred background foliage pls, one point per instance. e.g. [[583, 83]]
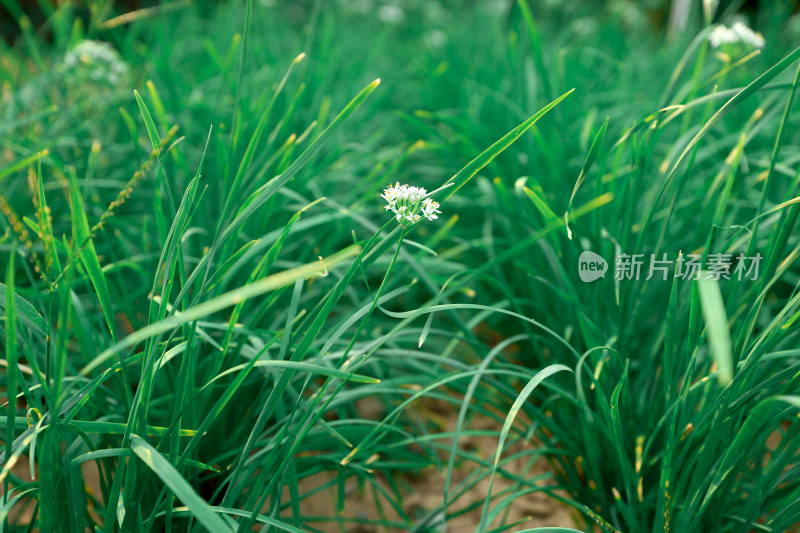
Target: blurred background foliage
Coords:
[[636, 13]]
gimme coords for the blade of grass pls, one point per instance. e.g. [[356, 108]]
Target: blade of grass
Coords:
[[183, 491], [227, 299], [512, 415], [719, 337], [484, 158], [11, 367], [88, 255]]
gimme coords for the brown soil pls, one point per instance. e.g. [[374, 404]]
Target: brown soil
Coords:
[[426, 488]]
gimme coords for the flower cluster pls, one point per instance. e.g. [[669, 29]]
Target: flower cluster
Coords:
[[407, 202], [737, 33], [95, 62]]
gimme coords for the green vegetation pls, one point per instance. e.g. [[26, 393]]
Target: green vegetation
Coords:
[[201, 286]]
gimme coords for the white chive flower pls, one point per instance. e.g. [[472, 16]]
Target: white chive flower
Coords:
[[409, 204], [720, 35], [738, 33], [748, 36], [430, 208], [97, 60]]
